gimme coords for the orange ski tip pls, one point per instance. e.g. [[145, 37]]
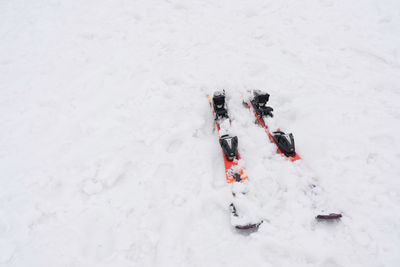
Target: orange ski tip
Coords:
[[294, 158]]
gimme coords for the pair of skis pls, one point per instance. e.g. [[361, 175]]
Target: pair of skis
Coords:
[[241, 216]]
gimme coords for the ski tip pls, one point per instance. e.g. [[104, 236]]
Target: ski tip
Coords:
[[249, 226], [294, 158], [328, 217]]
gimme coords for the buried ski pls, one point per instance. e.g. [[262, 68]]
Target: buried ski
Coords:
[[256, 101], [241, 210]]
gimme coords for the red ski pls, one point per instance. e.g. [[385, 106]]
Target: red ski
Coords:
[[241, 215], [257, 103]]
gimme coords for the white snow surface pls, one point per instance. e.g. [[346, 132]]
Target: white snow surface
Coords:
[[108, 155]]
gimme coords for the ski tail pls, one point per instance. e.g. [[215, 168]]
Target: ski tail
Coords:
[[243, 226], [328, 217]]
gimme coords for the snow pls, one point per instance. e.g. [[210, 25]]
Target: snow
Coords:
[[108, 155]]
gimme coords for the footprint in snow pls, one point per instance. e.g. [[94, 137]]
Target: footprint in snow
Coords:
[[174, 146], [164, 171], [92, 187]]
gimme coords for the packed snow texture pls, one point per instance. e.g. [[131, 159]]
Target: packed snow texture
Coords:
[[108, 155]]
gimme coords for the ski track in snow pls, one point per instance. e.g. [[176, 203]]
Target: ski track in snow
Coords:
[[107, 150]]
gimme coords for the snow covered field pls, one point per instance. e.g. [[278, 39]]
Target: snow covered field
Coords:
[[107, 150]]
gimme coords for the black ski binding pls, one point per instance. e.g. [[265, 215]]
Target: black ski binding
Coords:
[[229, 146], [236, 176], [219, 105], [285, 143], [259, 103]]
